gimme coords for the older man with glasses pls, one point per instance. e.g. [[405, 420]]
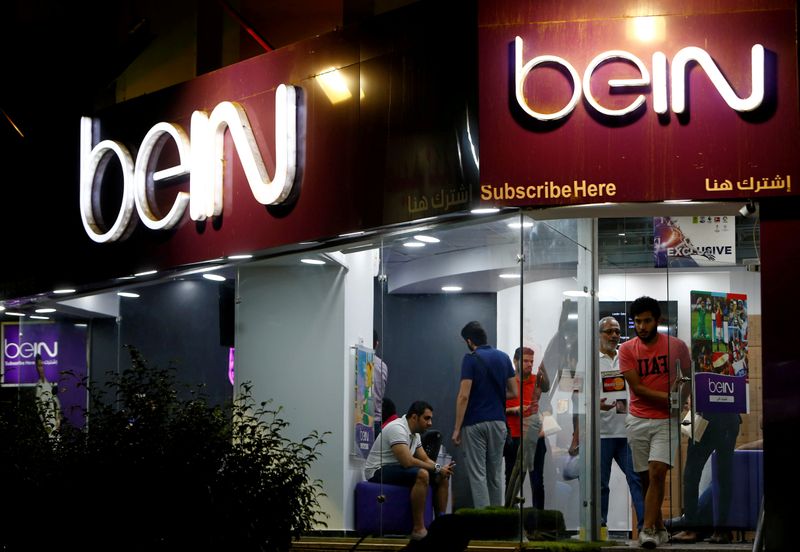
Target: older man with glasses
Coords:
[[613, 410]]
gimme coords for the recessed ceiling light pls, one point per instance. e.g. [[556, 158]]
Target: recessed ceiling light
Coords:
[[426, 239], [63, 291], [146, 273], [214, 277], [451, 288], [518, 225], [413, 244], [40, 317], [240, 257], [126, 277], [43, 311], [81, 325], [485, 211], [128, 294], [576, 293], [511, 275], [312, 261], [10, 313]]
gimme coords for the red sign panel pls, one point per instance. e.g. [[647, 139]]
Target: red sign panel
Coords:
[[586, 103]]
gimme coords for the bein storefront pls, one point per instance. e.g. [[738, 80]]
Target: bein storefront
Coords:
[[532, 165]]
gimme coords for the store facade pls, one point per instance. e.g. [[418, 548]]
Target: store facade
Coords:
[[334, 184]]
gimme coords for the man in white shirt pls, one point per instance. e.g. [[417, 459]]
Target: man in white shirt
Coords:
[[397, 458], [613, 410]]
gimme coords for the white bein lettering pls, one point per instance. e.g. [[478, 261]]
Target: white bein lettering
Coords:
[[659, 81], [202, 158]]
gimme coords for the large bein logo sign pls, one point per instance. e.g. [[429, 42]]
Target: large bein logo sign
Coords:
[[661, 79], [201, 156]]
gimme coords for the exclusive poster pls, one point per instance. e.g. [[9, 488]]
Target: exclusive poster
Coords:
[[694, 241], [719, 350], [363, 415]]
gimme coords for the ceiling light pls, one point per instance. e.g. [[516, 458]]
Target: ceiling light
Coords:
[[43, 311], [126, 277], [10, 313], [40, 317], [451, 288], [63, 291], [518, 225], [145, 273], [485, 211], [128, 294], [240, 257], [511, 275], [81, 325], [621, 234], [576, 293], [312, 261], [352, 234], [214, 277], [2, 308], [413, 244], [427, 239]]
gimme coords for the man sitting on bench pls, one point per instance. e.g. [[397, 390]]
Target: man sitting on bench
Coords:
[[397, 458]]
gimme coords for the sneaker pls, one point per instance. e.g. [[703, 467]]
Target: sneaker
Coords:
[[648, 538], [662, 536]]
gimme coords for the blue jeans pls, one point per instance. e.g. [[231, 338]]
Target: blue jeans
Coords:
[[616, 448]]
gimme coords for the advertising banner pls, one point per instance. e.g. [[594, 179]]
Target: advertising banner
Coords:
[[719, 350], [694, 241], [363, 415], [62, 347], [591, 102]]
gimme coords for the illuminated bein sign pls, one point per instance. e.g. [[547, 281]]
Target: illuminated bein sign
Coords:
[[659, 81], [201, 156]]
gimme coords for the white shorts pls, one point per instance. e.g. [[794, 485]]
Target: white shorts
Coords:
[[652, 440]]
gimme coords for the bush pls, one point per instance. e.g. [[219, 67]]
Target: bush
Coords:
[[155, 471]]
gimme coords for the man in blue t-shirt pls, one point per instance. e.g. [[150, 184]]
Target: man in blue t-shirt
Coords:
[[487, 380]]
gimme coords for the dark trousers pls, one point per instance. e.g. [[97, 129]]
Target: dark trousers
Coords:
[[720, 436], [537, 475]]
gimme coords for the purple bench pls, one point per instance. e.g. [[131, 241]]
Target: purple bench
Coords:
[[748, 489], [395, 512]]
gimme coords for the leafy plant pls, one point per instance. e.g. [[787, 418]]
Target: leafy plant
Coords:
[[157, 469]]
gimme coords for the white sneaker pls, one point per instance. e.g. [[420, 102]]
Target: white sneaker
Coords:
[[662, 536], [648, 538]]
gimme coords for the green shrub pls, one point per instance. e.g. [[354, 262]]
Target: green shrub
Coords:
[[154, 471]]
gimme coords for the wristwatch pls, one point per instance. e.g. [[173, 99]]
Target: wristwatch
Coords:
[[437, 468]]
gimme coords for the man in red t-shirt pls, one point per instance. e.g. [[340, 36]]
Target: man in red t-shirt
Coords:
[[651, 363]]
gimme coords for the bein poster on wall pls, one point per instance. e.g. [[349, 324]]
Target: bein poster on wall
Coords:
[[362, 411], [719, 351], [694, 241], [63, 350]]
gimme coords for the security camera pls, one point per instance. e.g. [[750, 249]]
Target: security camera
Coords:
[[747, 209]]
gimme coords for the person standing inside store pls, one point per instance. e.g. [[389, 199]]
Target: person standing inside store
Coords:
[[380, 375], [613, 410], [651, 364], [47, 402], [524, 420], [487, 380]]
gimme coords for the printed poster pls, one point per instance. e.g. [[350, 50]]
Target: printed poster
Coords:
[[363, 416], [694, 241], [719, 351], [62, 347]]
